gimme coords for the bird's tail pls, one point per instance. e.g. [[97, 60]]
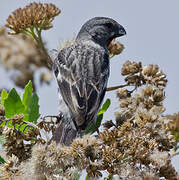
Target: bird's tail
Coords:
[[65, 133]]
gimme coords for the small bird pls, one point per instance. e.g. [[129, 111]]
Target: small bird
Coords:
[[82, 69]]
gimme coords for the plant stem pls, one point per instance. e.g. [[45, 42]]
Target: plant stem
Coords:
[[41, 44], [35, 33], [116, 87]]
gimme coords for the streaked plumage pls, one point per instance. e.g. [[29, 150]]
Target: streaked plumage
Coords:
[[82, 69]]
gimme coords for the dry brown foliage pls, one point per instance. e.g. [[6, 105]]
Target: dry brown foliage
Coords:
[[135, 146]]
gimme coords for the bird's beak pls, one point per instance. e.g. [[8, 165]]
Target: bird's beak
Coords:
[[121, 31]]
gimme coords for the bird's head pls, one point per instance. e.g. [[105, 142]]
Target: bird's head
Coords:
[[101, 30]]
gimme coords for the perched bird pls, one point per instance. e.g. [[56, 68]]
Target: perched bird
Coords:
[[82, 69]]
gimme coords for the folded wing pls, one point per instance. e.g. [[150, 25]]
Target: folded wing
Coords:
[[82, 72]]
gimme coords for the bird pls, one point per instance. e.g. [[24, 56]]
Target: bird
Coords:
[[82, 70]]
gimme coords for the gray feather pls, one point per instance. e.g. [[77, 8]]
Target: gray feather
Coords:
[[82, 70]]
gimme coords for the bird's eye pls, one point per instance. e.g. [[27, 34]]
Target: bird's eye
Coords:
[[109, 25]]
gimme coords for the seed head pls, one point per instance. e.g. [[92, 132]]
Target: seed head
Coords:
[[130, 68], [115, 48], [33, 15]]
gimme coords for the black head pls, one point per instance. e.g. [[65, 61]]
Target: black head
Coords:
[[101, 29]]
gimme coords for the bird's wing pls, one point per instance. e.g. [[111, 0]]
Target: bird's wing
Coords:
[[82, 73]]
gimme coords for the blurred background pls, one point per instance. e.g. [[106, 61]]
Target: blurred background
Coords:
[[152, 38]]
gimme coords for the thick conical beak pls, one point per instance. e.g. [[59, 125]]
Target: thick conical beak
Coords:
[[121, 31]]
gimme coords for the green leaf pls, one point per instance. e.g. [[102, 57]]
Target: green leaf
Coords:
[[27, 96], [99, 120], [13, 104], [2, 161], [91, 128], [2, 140], [105, 107], [86, 178], [2, 124], [30, 101], [110, 177], [4, 95], [76, 175], [33, 109], [9, 124]]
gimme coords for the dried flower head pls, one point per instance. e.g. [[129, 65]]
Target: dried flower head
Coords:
[[136, 146], [93, 171], [31, 20], [137, 75], [130, 68], [109, 136], [152, 75], [10, 169], [174, 122], [21, 53], [46, 77], [115, 48], [150, 176], [33, 15], [159, 158], [15, 145], [123, 93], [69, 160], [108, 124]]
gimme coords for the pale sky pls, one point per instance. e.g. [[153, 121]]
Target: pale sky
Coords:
[[152, 37]]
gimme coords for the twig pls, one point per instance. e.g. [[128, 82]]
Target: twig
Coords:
[[59, 117], [116, 87], [130, 92], [32, 125]]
